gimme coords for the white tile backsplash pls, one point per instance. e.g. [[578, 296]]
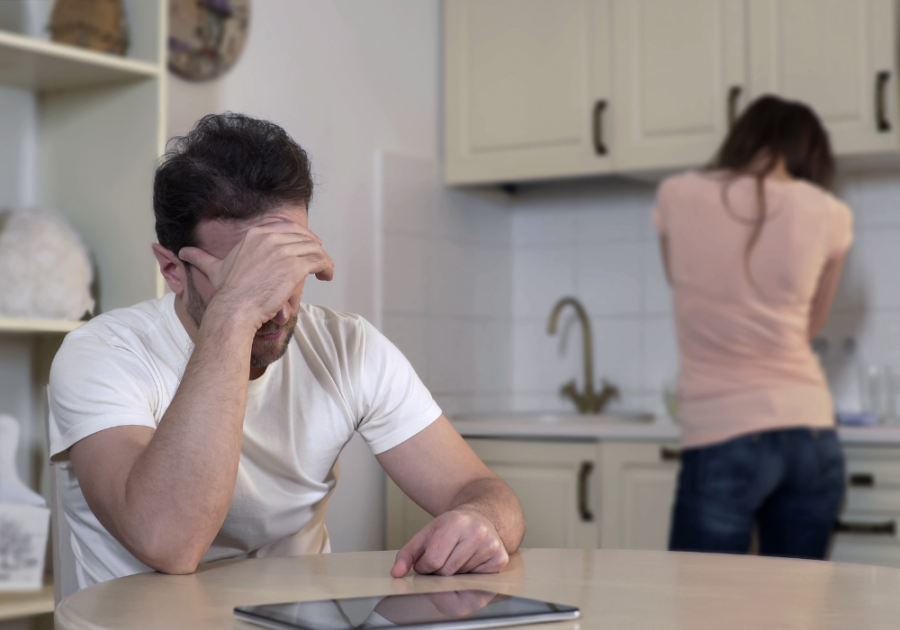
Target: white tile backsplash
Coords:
[[609, 278], [541, 275], [471, 276]]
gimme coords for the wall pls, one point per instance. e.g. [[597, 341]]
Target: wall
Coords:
[[344, 78], [596, 241], [448, 285]]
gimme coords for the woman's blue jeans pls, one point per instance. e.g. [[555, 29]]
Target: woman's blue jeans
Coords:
[[789, 483]]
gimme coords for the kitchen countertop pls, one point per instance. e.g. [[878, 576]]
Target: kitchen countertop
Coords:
[[620, 428]]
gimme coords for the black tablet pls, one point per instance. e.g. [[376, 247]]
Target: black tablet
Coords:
[[445, 610]]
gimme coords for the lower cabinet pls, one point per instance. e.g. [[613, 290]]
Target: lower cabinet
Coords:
[[868, 527], [556, 483], [637, 482], [619, 495]]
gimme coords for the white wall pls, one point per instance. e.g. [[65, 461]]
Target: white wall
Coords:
[[447, 272], [345, 78]]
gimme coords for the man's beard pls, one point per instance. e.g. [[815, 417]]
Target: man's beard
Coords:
[[264, 352]]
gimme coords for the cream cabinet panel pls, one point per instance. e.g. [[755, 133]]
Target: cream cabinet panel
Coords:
[[839, 56], [638, 482], [679, 73], [523, 80], [554, 481]]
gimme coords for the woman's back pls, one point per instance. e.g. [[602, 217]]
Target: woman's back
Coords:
[[743, 323]]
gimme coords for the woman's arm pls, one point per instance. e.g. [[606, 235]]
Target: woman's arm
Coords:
[[664, 253], [824, 296]]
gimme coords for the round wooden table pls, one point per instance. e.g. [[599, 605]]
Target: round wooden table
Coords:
[[621, 590]]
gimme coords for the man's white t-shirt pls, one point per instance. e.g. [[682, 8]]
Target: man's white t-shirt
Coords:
[[338, 376]]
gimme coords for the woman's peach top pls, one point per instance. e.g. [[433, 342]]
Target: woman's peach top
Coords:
[[746, 361]]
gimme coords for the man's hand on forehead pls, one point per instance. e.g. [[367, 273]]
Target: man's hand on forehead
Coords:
[[265, 267]]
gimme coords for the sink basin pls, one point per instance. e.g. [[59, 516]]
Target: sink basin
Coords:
[[556, 417]]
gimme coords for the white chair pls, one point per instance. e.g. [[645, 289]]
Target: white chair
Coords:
[[65, 580]]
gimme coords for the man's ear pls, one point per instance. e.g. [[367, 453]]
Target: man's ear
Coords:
[[171, 267]]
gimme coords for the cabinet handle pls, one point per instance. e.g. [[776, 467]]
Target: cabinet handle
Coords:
[[887, 528], [599, 146], [862, 480], [583, 510], [669, 454], [881, 80], [734, 94]]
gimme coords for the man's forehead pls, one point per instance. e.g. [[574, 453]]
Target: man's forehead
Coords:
[[219, 236]]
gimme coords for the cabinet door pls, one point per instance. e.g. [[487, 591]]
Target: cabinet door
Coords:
[[675, 65], [831, 54], [554, 482], [637, 493], [522, 81]]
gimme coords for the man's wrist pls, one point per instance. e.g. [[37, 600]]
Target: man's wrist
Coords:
[[224, 318]]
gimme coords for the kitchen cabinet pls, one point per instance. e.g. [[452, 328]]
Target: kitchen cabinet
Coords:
[[679, 75], [526, 86], [548, 89], [554, 481], [637, 481], [840, 57], [868, 528]]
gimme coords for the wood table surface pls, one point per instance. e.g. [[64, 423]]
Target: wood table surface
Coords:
[[620, 590]]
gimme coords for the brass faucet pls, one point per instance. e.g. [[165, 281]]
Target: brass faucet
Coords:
[[589, 401]]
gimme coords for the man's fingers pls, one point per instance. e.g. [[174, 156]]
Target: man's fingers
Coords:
[[440, 546], [410, 552], [465, 549], [204, 261], [494, 564], [487, 551], [284, 227]]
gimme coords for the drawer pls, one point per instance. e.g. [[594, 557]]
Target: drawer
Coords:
[[873, 467], [882, 501], [865, 550]]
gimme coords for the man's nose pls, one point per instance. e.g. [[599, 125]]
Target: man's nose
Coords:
[[282, 316]]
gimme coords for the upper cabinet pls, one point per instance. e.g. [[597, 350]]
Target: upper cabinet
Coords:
[[540, 89], [679, 71], [527, 83], [838, 56]]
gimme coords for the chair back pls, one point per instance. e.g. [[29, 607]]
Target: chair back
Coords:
[[65, 580]]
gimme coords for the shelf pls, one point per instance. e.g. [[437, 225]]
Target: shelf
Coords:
[[15, 605], [44, 66], [15, 325]]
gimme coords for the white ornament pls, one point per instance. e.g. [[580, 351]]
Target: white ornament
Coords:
[[45, 270], [24, 521]]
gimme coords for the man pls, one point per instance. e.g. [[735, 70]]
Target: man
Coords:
[[207, 424]]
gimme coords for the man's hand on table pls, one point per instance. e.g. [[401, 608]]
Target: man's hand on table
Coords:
[[459, 541]]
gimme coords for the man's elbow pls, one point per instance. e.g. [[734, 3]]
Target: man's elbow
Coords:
[[171, 558]]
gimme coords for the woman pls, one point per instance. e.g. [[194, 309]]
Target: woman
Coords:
[[753, 248]]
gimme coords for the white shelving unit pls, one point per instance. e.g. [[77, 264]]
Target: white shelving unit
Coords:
[[18, 325], [90, 127]]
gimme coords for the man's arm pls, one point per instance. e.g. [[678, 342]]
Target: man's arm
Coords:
[[478, 518], [165, 493]]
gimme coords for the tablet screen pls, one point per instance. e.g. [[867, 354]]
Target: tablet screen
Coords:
[[469, 608]]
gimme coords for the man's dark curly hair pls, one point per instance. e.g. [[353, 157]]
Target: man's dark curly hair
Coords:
[[229, 166]]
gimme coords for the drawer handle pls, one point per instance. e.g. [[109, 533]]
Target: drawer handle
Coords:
[[599, 145], [734, 93], [862, 480], [583, 510], [881, 80], [668, 454], [887, 528]]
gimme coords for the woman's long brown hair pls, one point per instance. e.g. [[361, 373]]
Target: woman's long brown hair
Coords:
[[773, 128]]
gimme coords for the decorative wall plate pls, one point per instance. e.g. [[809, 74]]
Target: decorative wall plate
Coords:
[[206, 37]]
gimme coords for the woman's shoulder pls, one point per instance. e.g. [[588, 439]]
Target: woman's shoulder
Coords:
[[689, 182], [808, 194]]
